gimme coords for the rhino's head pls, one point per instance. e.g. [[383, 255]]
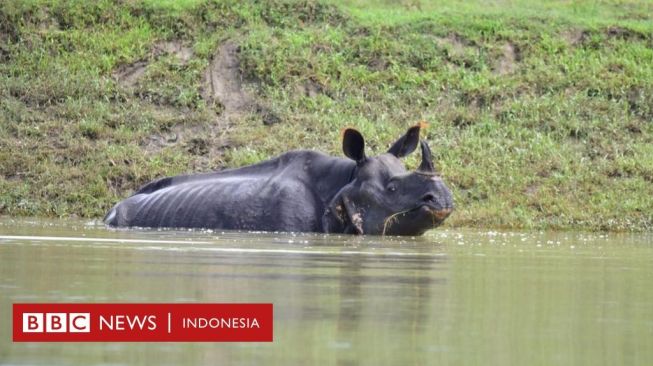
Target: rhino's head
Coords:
[[383, 197]]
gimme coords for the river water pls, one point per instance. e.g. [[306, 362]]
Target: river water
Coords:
[[451, 297]]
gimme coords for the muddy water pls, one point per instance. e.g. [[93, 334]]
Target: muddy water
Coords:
[[452, 297]]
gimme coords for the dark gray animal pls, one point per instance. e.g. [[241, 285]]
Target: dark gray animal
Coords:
[[301, 191]]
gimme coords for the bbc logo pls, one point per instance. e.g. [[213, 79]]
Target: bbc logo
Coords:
[[56, 322]]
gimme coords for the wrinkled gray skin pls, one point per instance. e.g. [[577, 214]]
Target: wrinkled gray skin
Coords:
[[301, 191]]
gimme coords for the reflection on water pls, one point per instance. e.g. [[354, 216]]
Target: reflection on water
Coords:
[[451, 297]]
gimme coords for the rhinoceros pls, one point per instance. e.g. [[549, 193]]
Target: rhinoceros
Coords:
[[301, 191]]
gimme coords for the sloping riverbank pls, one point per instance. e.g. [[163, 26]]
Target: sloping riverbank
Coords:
[[541, 116]]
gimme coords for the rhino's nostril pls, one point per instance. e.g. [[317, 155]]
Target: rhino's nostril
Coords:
[[428, 198]]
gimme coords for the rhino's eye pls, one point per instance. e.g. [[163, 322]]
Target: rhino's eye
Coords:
[[392, 187]]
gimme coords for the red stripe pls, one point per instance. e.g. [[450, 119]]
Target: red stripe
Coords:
[[143, 322]]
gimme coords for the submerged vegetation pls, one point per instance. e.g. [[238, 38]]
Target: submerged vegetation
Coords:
[[541, 115]]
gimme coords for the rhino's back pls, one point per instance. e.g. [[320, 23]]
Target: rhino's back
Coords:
[[249, 202]]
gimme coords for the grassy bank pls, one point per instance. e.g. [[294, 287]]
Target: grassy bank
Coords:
[[541, 115]]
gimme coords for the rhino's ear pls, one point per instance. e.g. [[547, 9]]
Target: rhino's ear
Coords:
[[353, 145], [406, 143]]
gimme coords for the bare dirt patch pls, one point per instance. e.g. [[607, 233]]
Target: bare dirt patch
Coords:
[[508, 62], [532, 189], [222, 90], [202, 138], [176, 48], [624, 33], [128, 75], [575, 36], [223, 81], [228, 100], [310, 88], [456, 43], [458, 50]]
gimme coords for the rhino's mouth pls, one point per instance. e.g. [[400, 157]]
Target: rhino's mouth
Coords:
[[437, 215], [423, 217], [441, 214]]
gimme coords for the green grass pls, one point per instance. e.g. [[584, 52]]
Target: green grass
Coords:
[[541, 113]]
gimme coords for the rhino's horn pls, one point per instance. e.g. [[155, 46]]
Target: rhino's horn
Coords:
[[426, 166]]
